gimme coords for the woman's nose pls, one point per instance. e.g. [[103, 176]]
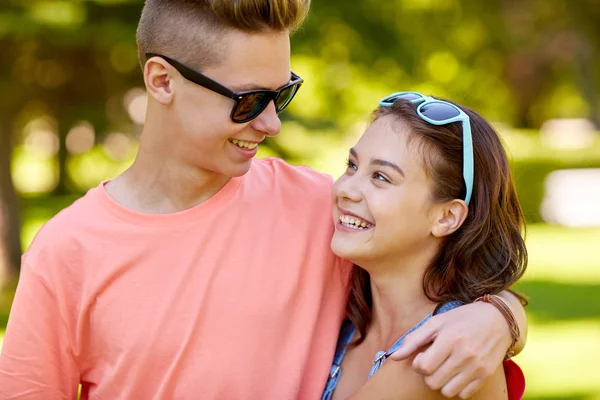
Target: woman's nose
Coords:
[[346, 188]]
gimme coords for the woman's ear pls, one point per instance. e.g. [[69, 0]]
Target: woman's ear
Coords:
[[448, 217]]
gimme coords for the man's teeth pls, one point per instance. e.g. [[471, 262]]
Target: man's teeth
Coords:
[[354, 222], [243, 144]]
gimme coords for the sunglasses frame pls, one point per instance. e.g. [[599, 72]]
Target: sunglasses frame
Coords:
[[214, 86], [421, 101]]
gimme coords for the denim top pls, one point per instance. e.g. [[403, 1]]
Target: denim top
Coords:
[[347, 333]]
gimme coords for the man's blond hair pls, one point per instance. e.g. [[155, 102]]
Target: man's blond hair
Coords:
[[191, 30]]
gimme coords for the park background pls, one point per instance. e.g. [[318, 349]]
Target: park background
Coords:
[[72, 103]]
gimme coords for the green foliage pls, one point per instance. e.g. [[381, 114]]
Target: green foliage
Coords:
[[532, 161], [530, 177], [519, 62]]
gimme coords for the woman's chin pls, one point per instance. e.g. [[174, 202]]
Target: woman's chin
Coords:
[[345, 250]]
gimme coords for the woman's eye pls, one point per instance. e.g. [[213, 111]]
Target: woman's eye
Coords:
[[351, 165], [380, 177]]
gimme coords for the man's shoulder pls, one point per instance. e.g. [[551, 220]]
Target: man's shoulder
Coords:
[[60, 233], [279, 172]]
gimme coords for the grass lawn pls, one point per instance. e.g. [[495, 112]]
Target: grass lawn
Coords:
[[563, 284]]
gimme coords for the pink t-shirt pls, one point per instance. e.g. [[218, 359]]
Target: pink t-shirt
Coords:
[[239, 297]]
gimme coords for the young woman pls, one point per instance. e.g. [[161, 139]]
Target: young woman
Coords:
[[428, 213]]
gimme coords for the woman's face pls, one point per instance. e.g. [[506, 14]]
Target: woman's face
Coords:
[[382, 208]]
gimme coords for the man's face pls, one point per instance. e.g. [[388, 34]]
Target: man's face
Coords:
[[201, 127]]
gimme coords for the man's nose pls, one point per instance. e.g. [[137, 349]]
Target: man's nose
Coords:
[[268, 121]]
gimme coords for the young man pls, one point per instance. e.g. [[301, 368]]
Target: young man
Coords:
[[200, 272]]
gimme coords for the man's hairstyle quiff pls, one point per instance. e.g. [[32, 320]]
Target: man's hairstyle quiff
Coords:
[[191, 30]]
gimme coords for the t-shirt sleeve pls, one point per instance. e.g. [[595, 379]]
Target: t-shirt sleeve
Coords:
[[515, 380], [37, 360]]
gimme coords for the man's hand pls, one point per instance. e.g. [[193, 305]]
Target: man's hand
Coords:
[[467, 345]]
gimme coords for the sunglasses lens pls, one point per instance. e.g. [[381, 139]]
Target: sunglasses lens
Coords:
[[285, 97], [439, 111], [403, 96], [250, 106]]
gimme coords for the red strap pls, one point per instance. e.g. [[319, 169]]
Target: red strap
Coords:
[[85, 391], [515, 380]]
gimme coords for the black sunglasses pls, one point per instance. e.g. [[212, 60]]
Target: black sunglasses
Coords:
[[248, 104]]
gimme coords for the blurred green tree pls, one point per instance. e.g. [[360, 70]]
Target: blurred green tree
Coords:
[[518, 62], [509, 58], [72, 61]]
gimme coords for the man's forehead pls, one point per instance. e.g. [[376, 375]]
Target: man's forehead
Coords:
[[257, 61]]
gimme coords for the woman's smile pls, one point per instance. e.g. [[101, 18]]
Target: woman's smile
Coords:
[[349, 222]]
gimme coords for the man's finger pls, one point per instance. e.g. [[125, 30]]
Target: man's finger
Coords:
[[414, 341], [435, 357], [441, 376], [471, 388], [456, 384]]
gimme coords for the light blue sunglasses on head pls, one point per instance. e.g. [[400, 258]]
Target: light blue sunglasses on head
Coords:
[[438, 112]]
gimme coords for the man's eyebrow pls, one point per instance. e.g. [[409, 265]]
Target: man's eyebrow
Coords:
[[247, 87], [255, 86]]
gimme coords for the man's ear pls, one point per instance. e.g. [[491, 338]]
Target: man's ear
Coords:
[[448, 217], [158, 79]]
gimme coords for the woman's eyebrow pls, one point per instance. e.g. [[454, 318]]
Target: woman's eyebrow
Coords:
[[390, 164], [378, 161]]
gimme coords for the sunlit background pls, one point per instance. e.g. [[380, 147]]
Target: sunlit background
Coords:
[[72, 104]]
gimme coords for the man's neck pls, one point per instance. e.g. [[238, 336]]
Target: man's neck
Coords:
[[150, 186]]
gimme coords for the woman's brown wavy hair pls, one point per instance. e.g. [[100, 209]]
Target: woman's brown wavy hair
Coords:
[[487, 254]]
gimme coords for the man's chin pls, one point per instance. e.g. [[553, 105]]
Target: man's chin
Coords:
[[240, 169]]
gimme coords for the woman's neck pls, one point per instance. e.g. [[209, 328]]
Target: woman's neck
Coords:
[[399, 301]]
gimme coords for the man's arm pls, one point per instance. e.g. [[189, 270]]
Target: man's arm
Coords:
[[467, 345], [37, 359], [517, 307]]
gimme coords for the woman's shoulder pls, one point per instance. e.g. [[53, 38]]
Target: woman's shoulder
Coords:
[[395, 380], [398, 380]]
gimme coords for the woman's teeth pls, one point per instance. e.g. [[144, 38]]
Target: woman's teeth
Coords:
[[354, 222], [243, 144]]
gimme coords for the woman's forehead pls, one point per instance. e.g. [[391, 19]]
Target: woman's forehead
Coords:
[[385, 136], [389, 139]]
